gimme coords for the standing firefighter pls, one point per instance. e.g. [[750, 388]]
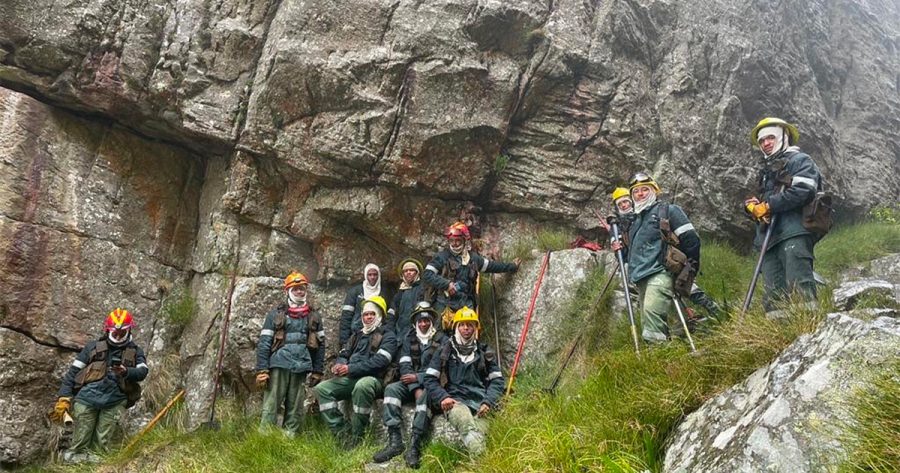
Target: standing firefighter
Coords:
[[358, 370], [356, 295], [788, 181], [103, 379], [465, 380], [410, 293], [291, 352], [624, 208], [453, 273], [664, 256], [419, 347]]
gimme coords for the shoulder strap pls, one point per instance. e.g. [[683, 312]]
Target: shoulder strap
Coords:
[[100, 348], [375, 341], [129, 357], [665, 227], [445, 357], [279, 319]]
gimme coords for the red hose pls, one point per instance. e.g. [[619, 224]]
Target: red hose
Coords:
[[534, 295]]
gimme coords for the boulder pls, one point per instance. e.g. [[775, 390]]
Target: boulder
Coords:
[[849, 293], [788, 416]]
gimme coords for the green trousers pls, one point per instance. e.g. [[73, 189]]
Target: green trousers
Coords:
[[655, 294], [362, 393], [395, 394], [94, 427], [470, 428], [788, 267], [286, 390]]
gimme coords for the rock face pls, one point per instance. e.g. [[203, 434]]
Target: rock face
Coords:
[[162, 146], [788, 415]]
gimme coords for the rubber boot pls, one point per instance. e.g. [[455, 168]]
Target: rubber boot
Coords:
[[413, 454], [393, 448]]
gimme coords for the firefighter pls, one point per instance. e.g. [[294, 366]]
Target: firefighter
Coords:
[[100, 384], [290, 355]]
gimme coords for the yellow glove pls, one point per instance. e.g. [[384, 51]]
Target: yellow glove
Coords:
[[759, 211], [262, 380], [59, 410]]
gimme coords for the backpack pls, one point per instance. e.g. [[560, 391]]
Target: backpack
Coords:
[[818, 213], [96, 370], [675, 261]]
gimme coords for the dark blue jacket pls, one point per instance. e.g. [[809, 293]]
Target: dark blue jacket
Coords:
[[447, 268], [364, 360], [415, 358], [646, 253], [104, 392], [802, 179], [294, 355], [401, 308], [475, 383]]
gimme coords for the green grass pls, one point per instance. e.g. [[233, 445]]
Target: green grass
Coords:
[[178, 311], [850, 246], [612, 411], [874, 439]]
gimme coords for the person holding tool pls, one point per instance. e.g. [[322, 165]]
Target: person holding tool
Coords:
[[664, 259], [103, 381], [788, 182]]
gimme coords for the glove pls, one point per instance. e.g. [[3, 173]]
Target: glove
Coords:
[[313, 379], [262, 380], [759, 210], [59, 410]]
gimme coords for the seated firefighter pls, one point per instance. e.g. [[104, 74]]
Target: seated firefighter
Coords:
[[358, 371], [465, 380], [410, 293], [419, 347], [664, 256], [103, 380], [290, 352], [356, 295], [453, 273]]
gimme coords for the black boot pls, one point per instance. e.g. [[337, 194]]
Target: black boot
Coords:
[[703, 300], [393, 448], [413, 454]]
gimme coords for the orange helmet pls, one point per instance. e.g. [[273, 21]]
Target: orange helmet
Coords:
[[118, 319], [295, 279], [458, 230]]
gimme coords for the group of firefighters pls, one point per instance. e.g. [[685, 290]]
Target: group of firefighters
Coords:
[[424, 348]]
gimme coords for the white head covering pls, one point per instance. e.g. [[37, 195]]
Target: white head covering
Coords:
[[374, 290], [777, 132], [295, 301], [465, 350], [646, 203], [372, 307], [408, 265]]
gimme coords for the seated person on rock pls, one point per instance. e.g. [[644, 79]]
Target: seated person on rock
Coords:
[[290, 352], [103, 380], [465, 380], [351, 310], [419, 346], [358, 370], [453, 272], [410, 293]]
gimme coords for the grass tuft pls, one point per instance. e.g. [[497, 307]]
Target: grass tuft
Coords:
[[874, 438], [850, 246]]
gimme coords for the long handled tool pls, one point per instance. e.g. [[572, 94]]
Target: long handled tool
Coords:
[[614, 225], [679, 307], [494, 322], [156, 419], [212, 423], [534, 295], [759, 262], [552, 388]]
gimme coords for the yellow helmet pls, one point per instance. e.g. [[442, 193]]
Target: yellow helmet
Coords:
[[620, 192], [379, 301], [643, 179], [792, 131], [466, 315]]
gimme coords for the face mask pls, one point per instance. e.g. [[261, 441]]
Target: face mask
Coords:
[[119, 340], [296, 300]]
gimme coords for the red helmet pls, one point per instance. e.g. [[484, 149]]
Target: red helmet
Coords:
[[458, 230], [118, 319], [295, 279]]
